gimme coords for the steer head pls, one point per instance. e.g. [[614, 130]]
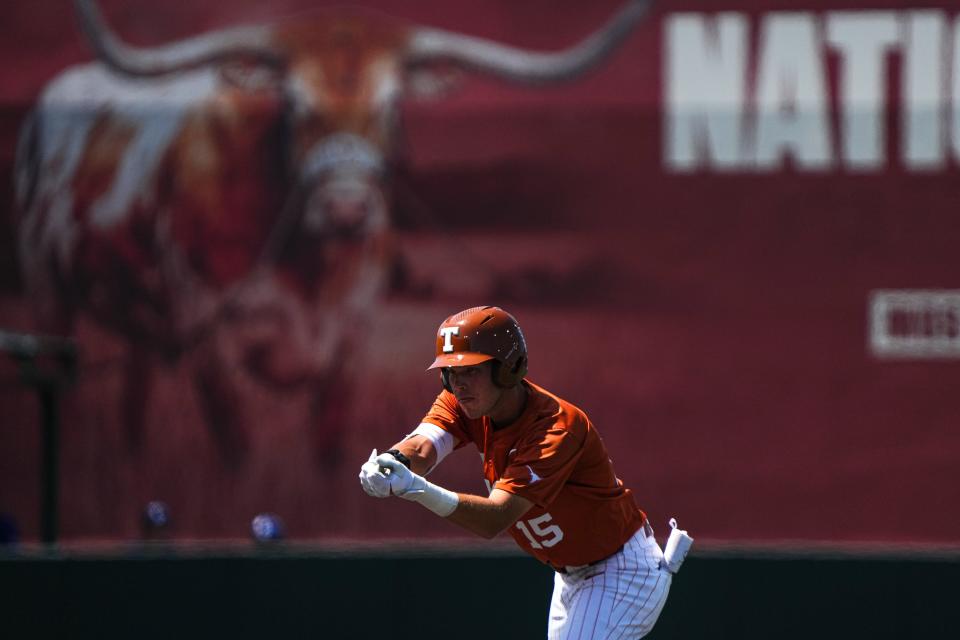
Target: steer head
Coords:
[[333, 82], [340, 78]]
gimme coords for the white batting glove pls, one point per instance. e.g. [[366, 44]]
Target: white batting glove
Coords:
[[401, 480], [372, 479], [411, 486]]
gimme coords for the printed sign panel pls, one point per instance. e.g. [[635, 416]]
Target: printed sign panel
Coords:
[[729, 235], [915, 324]]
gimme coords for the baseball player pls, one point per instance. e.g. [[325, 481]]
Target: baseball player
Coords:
[[551, 481]]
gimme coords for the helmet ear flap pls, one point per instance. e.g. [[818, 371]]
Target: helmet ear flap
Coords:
[[520, 369], [497, 374], [509, 377]]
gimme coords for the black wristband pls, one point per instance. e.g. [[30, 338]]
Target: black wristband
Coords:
[[402, 459]]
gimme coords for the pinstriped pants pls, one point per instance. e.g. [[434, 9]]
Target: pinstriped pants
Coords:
[[620, 597]]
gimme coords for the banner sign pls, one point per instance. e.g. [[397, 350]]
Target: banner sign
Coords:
[[729, 231]]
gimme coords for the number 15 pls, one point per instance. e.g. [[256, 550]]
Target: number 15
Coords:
[[548, 536]]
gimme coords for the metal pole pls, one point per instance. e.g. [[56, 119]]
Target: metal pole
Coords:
[[48, 378], [50, 462]]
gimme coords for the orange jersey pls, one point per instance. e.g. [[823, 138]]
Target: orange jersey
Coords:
[[553, 456]]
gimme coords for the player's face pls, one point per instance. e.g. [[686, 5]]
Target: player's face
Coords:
[[474, 388]]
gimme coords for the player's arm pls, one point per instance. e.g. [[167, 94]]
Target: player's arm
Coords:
[[488, 517], [485, 517], [419, 450]]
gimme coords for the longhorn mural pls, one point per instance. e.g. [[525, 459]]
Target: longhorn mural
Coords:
[[226, 197]]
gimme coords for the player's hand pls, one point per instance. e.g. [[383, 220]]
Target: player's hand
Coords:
[[403, 482], [372, 479]]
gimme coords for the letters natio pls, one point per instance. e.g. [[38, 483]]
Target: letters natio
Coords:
[[730, 106]]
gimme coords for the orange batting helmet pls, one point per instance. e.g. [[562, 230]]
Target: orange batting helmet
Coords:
[[479, 334]]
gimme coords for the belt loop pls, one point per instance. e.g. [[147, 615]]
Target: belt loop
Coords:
[[647, 529]]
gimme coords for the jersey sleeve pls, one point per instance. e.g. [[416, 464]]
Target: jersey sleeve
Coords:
[[444, 414], [542, 464]]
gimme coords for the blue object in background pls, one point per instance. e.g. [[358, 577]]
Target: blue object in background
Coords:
[[156, 518], [267, 527]]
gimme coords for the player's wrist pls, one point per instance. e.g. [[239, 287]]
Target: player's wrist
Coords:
[[441, 501], [401, 458]]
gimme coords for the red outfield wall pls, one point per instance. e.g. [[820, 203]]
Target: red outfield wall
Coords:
[[734, 244]]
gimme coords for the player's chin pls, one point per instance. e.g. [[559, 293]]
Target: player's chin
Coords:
[[470, 408]]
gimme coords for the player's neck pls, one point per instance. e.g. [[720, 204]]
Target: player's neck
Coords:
[[509, 407]]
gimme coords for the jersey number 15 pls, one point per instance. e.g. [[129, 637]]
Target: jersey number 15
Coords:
[[540, 536]]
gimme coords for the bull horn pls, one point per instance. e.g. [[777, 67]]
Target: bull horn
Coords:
[[245, 42], [428, 45]]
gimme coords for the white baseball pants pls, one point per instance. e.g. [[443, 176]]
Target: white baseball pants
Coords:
[[620, 597]]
